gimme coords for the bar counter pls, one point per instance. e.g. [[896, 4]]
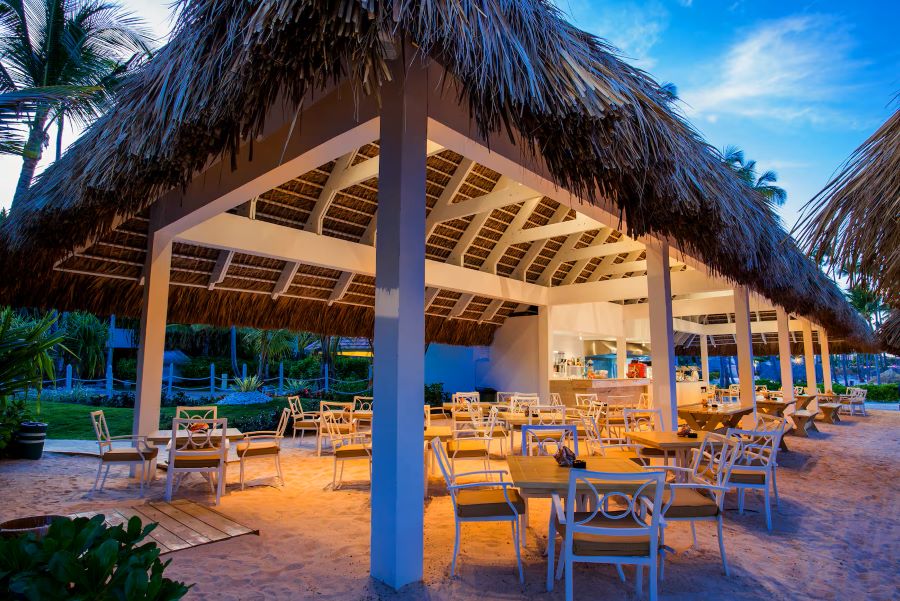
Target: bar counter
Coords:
[[631, 388]]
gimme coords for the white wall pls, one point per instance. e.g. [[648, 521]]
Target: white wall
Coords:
[[454, 366], [569, 344], [513, 364], [592, 319]]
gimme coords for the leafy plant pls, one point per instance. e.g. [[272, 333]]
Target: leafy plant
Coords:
[[85, 559], [269, 345], [11, 416], [25, 353], [87, 337], [248, 384], [435, 394]]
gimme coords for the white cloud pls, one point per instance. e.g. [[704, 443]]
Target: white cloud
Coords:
[[793, 69], [632, 27]]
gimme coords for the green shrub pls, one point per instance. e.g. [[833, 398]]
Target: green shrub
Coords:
[[248, 384], [881, 392], [85, 559], [435, 394], [198, 367], [126, 369], [12, 414]]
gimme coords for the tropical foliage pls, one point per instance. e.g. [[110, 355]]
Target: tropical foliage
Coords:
[[25, 352], [733, 157], [269, 345], [86, 559], [87, 337], [248, 384], [80, 47]]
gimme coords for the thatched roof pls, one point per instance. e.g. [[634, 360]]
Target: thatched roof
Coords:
[[889, 333], [603, 128], [854, 222]]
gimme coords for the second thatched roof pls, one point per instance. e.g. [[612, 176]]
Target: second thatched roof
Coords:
[[604, 129]]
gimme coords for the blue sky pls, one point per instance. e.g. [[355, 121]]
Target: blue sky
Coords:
[[796, 85]]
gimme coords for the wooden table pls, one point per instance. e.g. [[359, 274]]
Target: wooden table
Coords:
[[540, 477], [773, 407], [164, 436], [700, 417], [669, 442]]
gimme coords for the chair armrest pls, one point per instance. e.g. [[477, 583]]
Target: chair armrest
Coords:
[[129, 437], [488, 484], [502, 473], [267, 433], [670, 468], [698, 485]]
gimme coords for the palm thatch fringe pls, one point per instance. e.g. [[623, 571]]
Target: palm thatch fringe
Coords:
[[604, 129], [65, 292], [854, 222], [889, 333]]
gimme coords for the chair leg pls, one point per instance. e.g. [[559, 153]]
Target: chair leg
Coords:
[[570, 586], [143, 463], [278, 469], [741, 501], [551, 552], [334, 476], [768, 508], [97, 479], [694, 534], [621, 572], [170, 475], [722, 548], [455, 551], [515, 533], [220, 487], [639, 580], [242, 473], [654, 581], [775, 487]]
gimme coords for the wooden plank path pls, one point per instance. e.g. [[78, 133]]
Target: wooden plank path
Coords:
[[181, 524]]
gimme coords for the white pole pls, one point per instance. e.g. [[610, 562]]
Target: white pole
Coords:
[[704, 358], [621, 357], [826, 359], [152, 334], [809, 355], [744, 341], [109, 379], [662, 336], [397, 511], [170, 378], [784, 354], [224, 382], [327, 384], [212, 378], [281, 377], [69, 377], [545, 362]]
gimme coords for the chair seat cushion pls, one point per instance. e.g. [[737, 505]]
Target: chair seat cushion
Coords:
[[609, 545], [352, 451], [488, 502], [130, 454], [689, 503], [309, 424], [460, 448], [199, 461], [255, 449], [741, 475], [338, 429]]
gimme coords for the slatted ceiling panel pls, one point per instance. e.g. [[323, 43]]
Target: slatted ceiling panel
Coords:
[[367, 151], [511, 259]]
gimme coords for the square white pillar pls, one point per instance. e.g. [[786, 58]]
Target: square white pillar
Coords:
[[744, 341], [662, 335], [152, 334], [545, 352], [704, 357], [826, 359], [784, 354], [399, 363], [621, 357], [809, 356]]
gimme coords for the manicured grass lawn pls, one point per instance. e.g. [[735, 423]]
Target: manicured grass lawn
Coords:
[[72, 421]]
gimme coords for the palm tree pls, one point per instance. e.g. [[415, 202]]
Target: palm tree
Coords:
[[269, 345], [83, 45], [733, 157], [87, 337]]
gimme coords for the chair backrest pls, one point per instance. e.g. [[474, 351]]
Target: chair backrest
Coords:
[[734, 388], [644, 401], [799, 390], [440, 454], [362, 403], [598, 411], [627, 492], [759, 447], [545, 415], [470, 397], [200, 412], [282, 423], [98, 420], [521, 402], [556, 399], [548, 439], [762, 388], [619, 401], [295, 406], [341, 411], [585, 399], [198, 436], [504, 398], [642, 420]]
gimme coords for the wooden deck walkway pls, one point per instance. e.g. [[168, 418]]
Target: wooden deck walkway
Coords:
[[182, 523]]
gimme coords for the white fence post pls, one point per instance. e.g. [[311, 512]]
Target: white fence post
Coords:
[[109, 380], [327, 387], [281, 377], [69, 377], [171, 377], [244, 371], [212, 378], [224, 382]]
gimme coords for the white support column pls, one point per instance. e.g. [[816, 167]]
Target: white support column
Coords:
[[809, 356], [621, 356], [826, 359], [545, 360], [784, 354], [152, 335], [704, 358], [662, 336], [744, 341], [399, 367]]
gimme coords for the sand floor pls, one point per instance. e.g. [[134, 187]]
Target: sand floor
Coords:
[[836, 531]]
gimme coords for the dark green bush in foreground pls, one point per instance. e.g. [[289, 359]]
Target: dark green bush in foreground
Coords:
[[85, 559]]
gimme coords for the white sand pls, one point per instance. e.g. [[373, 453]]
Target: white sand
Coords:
[[836, 532]]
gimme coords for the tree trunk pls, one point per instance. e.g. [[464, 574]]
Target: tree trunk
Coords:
[[34, 149], [234, 364], [59, 135]]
